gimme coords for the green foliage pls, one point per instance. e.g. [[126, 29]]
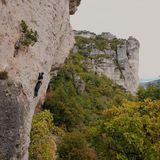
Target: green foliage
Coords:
[[75, 147], [151, 91], [116, 42], [86, 44], [101, 43], [99, 123], [82, 41], [24, 26], [82, 110], [72, 109], [30, 37], [100, 56], [42, 146], [130, 131]]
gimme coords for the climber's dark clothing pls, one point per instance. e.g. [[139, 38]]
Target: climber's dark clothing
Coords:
[[37, 87], [38, 84], [17, 47], [40, 77], [17, 44]]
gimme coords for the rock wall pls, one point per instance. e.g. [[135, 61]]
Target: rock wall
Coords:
[[50, 18], [118, 59]]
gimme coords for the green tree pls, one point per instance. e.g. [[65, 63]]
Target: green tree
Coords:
[[151, 91], [129, 132], [75, 147]]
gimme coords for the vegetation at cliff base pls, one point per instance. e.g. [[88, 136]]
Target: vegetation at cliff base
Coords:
[[42, 146], [77, 98], [74, 146], [93, 118], [150, 91]]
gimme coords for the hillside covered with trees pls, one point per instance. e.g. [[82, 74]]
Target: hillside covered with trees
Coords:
[[89, 117]]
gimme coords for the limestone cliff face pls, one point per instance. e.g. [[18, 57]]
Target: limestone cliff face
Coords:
[[118, 59], [50, 18]]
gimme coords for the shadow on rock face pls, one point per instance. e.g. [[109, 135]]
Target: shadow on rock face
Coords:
[[12, 114]]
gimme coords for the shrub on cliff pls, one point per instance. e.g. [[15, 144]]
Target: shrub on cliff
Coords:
[[29, 36], [42, 146]]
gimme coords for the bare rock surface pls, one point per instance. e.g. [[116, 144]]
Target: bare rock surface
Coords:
[[84, 33], [13, 110]]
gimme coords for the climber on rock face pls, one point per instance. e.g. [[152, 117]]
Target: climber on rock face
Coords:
[[40, 77], [38, 84], [37, 87], [17, 47]]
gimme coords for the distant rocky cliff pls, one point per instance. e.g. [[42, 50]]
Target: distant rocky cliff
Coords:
[[39, 43], [118, 59]]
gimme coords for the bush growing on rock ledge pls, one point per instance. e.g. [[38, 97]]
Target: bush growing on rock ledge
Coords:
[[29, 36]]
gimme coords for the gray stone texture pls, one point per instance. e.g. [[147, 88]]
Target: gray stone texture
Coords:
[[13, 111]]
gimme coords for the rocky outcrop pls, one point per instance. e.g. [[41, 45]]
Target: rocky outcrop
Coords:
[[79, 83], [85, 34], [50, 19], [73, 4], [118, 59]]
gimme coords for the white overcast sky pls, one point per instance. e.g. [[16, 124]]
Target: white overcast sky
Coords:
[[124, 18]]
